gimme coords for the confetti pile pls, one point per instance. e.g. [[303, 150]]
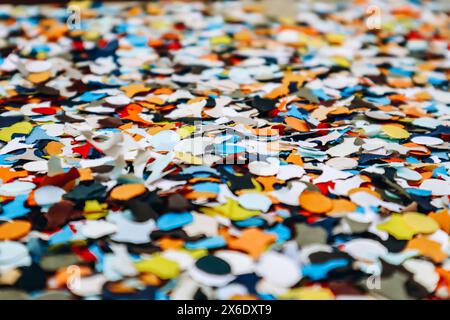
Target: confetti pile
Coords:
[[214, 151]]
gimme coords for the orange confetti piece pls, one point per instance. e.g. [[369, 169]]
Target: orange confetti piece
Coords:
[[268, 182], [295, 158], [54, 148], [13, 230], [119, 287], [253, 241], [64, 274], [133, 89], [427, 248], [442, 218], [341, 206], [127, 191], [85, 174], [39, 77], [150, 279], [315, 202], [297, 124], [168, 243], [7, 175]]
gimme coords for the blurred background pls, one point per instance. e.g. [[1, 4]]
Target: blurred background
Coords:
[[276, 7]]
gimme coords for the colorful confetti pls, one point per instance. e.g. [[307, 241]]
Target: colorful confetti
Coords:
[[213, 150]]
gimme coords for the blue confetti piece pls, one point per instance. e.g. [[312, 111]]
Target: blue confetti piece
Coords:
[[431, 108], [419, 192], [170, 221], [37, 248], [382, 100], [439, 171], [281, 231], [91, 96], [250, 222], [138, 41], [196, 169], [234, 138], [38, 134], [441, 155], [161, 296], [122, 28], [435, 81], [63, 236], [40, 48], [400, 71], [350, 90], [318, 271], [412, 160], [320, 93], [207, 243], [283, 213], [296, 113], [266, 296], [360, 210], [95, 250], [207, 187], [227, 149], [15, 209]]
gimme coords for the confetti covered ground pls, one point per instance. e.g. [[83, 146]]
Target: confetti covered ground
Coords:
[[217, 151]]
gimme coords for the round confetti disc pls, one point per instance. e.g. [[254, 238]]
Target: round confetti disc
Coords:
[[395, 132], [127, 191], [14, 230]]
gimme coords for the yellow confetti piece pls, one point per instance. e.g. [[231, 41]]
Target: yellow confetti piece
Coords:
[[287, 20], [93, 206], [82, 4], [420, 223], [160, 266], [335, 38], [159, 24], [395, 132], [185, 131], [302, 39], [398, 228], [308, 293], [91, 35], [195, 253], [221, 40], [232, 210], [341, 61], [315, 43], [95, 215], [19, 127], [188, 158], [41, 55]]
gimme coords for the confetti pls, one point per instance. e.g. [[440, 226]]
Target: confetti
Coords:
[[216, 150]]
